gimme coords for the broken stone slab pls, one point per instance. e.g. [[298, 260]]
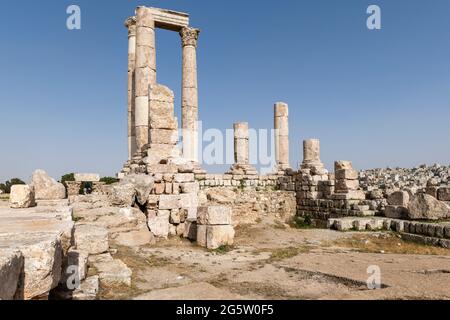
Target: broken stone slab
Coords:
[[143, 184], [47, 188], [88, 289], [11, 267], [21, 196], [75, 265], [343, 165], [217, 236], [221, 195], [122, 194], [91, 239], [111, 271], [87, 177], [134, 238], [214, 215], [396, 212], [159, 225], [42, 253], [425, 207], [168, 202], [399, 198]]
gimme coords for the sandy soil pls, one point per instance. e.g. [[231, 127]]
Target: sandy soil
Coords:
[[274, 261]]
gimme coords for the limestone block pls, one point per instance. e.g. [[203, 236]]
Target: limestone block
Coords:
[[47, 188], [88, 289], [113, 272], [143, 185], [178, 216], [343, 224], [87, 177], [444, 194], [172, 230], [216, 215], [161, 93], [189, 187], [42, 254], [122, 194], [159, 225], [343, 164], [396, 212], [11, 264], [168, 122], [344, 185], [190, 230], [217, 236], [21, 196], [188, 200], [135, 238], [221, 195], [201, 235], [346, 174], [168, 202], [184, 177], [163, 136], [426, 207], [91, 238], [399, 198], [74, 260]]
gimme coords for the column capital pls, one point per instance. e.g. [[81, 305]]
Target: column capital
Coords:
[[130, 24], [189, 36]]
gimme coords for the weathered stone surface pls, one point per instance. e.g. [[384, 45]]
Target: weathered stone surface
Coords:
[[444, 194], [167, 202], [217, 236], [47, 188], [396, 212], [87, 177], [111, 271], [190, 230], [159, 225], [143, 184], [135, 238], [399, 198], [221, 195], [343, 165], [91, 239], [21, 196], [217, 215], [348, 174], [11, 265], [42, 253], [74, 266], [88, 289], [122, 194], [426, 207], [202, 235]]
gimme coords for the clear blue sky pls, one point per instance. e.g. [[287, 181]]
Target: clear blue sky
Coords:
[[378, 98]]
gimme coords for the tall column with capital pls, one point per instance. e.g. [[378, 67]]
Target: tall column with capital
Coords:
[[189, 96], [145, 72], [130, 24]]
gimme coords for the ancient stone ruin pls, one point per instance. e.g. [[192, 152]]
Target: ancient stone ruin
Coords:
[[164, 192]]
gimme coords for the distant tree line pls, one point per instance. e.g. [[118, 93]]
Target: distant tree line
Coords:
[[6, 187]]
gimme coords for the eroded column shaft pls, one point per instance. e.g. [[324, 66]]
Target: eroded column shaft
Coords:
[[145, 72], [281, 126], [241, 143], [131, 26]]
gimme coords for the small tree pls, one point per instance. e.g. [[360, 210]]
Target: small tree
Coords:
[[67, 177], [10, 183]]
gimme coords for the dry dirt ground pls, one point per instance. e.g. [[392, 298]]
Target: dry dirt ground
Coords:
[[273, 261]]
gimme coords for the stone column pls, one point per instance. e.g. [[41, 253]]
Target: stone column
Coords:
[[189, 96], [241, 144], [281, 126], [311, 151], [130, 24], [145, 74]]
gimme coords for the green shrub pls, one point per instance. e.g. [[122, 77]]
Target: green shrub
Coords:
[[109, 180], [6, 187]]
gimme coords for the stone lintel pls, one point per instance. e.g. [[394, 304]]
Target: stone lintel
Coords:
[[169, 19]]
